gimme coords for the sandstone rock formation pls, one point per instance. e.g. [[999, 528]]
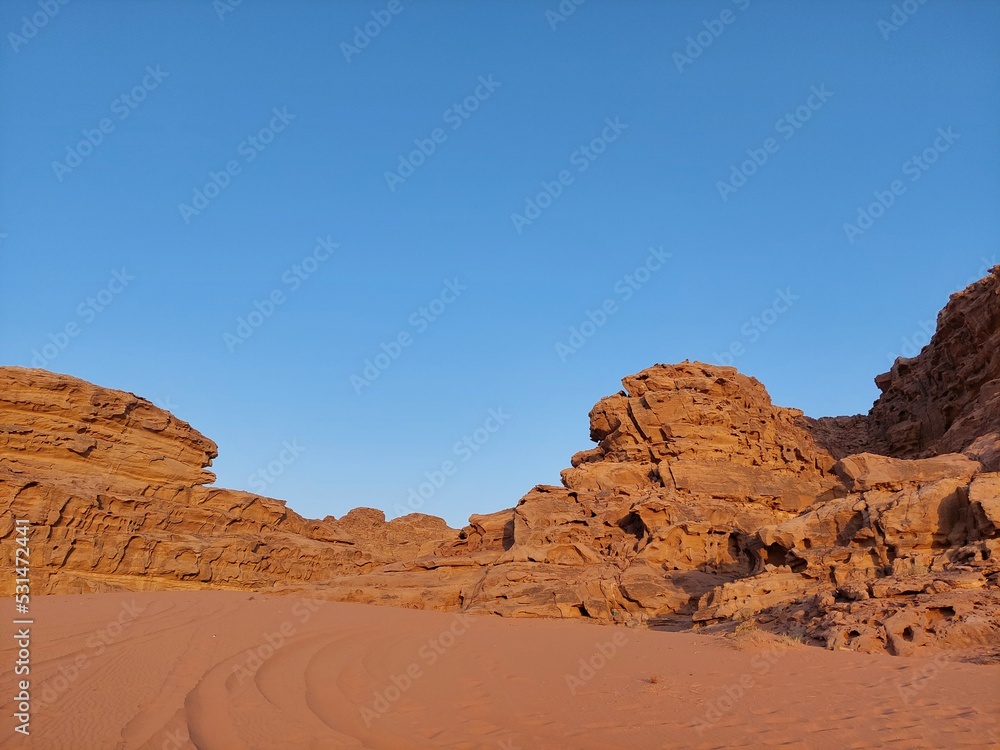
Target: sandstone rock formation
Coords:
[[114, 487], [948, 397], [702, 505]]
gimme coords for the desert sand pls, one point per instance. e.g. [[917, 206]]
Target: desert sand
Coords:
[[221, 670]]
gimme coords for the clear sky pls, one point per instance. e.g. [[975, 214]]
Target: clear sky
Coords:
[[465, 183]]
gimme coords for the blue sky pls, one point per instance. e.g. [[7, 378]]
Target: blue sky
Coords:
[[467, 186]]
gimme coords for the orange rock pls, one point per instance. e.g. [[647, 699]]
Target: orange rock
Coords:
[[948, 396], [866, 471]]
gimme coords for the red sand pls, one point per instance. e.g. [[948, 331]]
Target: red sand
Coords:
[[227, 670]]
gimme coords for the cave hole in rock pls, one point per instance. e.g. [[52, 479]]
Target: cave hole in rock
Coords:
[[946, 611], [632, 524], [775, 554], [796, 563]]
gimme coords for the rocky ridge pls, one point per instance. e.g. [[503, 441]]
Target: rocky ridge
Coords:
[[115, 489], [703, 505]]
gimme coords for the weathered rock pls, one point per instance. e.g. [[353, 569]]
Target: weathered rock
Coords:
[[57, 425], [984, 498], [866, 471], [945, 398], [114, 489]]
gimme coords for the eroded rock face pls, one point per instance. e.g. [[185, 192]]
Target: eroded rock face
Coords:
[[948, 396], [908, 558], [60, 426], [114, 487], [702, 505], [843, 573], [700, 430]]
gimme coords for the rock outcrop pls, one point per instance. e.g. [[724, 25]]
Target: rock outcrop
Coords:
[[703, 505], [115, 489], [948, 397]]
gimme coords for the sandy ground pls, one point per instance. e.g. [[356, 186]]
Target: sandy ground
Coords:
[[223, 671]]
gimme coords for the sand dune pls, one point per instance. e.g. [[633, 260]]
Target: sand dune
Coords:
[[228, 670]]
